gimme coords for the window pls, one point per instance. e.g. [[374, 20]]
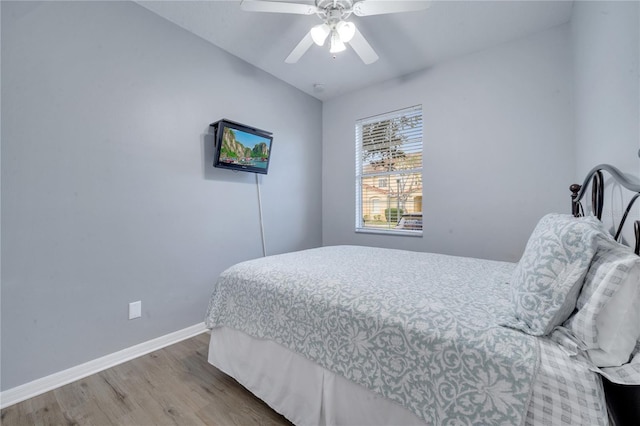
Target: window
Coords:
[[389, 173], [375, 205]]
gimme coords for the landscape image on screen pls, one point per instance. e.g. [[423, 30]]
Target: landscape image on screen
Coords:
[[244, 148]]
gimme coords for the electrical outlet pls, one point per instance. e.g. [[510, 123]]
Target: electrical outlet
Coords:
[[135, 309]]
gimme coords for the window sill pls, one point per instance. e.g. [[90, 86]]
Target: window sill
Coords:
[[389, 232]]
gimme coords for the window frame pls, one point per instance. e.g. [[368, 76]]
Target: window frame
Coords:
[[412, 142]]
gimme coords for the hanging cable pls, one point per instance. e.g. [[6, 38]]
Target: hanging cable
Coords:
[[264, 247]]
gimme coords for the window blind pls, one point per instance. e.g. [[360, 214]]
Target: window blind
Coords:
[[389, 169]]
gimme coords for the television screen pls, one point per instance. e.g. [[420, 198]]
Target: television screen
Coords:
[[241, 147]]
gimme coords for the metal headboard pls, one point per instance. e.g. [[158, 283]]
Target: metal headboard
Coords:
[[621, 399], [596, 179]]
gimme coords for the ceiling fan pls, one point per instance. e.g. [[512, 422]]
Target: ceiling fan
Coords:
[[334, 14]]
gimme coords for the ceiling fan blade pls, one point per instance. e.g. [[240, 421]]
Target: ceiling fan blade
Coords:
[[379, 7], [277, 7], [362, 47], [300, 49]]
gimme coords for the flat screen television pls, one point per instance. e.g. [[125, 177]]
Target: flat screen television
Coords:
[[241, 147]]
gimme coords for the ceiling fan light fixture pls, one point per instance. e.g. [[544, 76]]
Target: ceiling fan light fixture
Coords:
[[319, 33], [336, 43], [334, 15], [346, 30]]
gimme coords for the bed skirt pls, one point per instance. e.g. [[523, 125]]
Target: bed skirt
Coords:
[[302, 391]]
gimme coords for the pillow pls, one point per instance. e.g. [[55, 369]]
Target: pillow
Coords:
[[607, 322], [546, 282]]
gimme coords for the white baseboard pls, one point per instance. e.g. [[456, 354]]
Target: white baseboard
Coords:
[[45, 384]]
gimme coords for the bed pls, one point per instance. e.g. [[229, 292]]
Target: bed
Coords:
[[350, 335]]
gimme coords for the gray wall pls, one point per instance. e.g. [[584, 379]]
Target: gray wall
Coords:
[[606, 48], [606, 53], [498, 150], [108, 191]]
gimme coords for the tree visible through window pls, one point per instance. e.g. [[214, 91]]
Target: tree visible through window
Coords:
[[389, 170]]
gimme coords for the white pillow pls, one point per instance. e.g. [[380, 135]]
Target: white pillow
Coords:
[[607, 321], [619, 324]]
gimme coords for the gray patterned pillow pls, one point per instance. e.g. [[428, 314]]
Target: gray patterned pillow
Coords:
[[546, 282]]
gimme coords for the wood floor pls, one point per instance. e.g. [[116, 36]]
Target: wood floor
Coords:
[[173, 386]]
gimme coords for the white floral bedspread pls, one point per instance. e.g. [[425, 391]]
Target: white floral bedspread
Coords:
[[418, 328]]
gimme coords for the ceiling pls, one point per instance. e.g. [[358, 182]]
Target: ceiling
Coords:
[[405, 42]]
